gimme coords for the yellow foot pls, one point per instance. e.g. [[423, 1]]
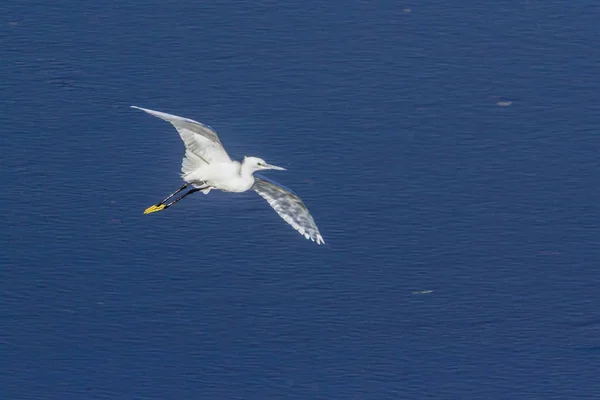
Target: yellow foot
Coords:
[[155, 208]]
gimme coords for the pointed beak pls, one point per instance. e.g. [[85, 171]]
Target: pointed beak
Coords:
[[275, 167]]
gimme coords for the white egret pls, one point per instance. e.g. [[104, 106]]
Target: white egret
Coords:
[[207, 166]]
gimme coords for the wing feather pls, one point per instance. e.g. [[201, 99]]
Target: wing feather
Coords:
[[289, 207], [199, 139]]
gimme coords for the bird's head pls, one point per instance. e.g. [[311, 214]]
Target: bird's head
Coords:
[[258, 164]]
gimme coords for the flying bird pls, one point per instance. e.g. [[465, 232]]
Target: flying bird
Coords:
[[206, 166]]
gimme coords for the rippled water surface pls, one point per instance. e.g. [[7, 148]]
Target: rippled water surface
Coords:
[[448, 152]]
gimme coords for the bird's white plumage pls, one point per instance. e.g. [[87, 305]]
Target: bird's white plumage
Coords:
[[207, 165], [289, 207], [201, 141]]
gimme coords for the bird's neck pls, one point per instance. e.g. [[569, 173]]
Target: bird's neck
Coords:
[[247, 170]]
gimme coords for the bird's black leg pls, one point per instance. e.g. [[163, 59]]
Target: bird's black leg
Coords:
[[182, 196], [161, 206], [173, 194]]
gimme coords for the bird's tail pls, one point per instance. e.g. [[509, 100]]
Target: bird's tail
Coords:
[[190, 163]]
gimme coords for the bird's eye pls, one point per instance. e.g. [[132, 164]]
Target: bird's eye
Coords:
[[261, 164]]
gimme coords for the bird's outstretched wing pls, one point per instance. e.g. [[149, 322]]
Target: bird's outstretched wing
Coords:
[[201, 142], [289, 207]]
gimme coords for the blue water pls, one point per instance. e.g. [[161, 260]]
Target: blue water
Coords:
[[448, 152]]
